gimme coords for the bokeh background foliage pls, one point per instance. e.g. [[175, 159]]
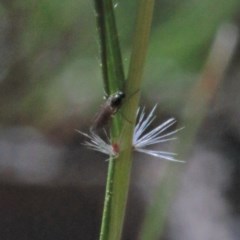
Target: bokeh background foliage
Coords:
[[54, 44], [51, 83]]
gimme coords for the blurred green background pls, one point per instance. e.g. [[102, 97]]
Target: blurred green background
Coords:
[[50, 63], [51, 84]]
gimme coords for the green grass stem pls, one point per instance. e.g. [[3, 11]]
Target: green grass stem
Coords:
[[119, 170]]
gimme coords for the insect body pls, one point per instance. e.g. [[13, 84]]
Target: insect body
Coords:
[[108, 109]]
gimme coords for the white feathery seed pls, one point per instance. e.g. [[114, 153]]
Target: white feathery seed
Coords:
[[159, 134], [141, 137]]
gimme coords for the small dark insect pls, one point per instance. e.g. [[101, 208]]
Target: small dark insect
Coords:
[[108, 109]]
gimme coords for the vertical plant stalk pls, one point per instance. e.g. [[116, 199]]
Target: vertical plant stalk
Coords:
[[200, 97], [119, 168], [113, 78], [110, 53], [123, 163]]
